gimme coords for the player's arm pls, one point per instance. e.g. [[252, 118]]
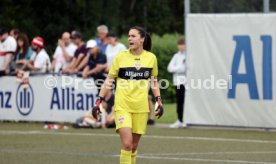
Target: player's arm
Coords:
[[107, 85], [159, 110]]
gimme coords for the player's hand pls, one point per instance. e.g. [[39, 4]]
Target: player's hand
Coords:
[[159, 110], [97, 108]]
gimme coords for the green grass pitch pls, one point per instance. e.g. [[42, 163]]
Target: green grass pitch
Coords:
[[29, 143]]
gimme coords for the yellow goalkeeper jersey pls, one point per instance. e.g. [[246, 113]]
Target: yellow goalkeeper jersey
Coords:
[[132, 75]]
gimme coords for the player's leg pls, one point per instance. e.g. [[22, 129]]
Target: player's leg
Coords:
[[139, 126], [135, 142], [123, 122], [126, 141]]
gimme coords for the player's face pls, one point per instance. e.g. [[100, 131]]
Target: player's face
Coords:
[[135, 40]]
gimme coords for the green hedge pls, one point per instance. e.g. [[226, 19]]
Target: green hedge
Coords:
[[164, 47]]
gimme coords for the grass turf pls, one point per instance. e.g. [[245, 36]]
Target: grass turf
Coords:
[[29, 143], [169, 115]]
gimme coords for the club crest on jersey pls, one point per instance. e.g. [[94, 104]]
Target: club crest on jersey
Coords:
[[121, 120], [137, 66]]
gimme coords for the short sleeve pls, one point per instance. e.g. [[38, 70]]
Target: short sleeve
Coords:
[[114, 70], [39, 62], [154, 71], [10, 45]]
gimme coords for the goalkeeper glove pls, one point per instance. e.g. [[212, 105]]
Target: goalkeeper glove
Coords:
[[159, 110], [97, 108]]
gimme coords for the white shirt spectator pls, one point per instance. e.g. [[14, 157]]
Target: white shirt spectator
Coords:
[[59, 57], [112, 51], [8, 45], [41, 61], [177, 66]]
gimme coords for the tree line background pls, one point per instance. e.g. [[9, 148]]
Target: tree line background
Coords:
[[164, 19]]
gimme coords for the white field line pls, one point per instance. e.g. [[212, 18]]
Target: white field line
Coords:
[[46, 132], [204, 160], [14, 151], [211, 153]]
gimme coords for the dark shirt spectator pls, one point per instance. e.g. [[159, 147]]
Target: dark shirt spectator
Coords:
[[79, 55]]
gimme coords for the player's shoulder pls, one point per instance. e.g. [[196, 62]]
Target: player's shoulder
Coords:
[[149, 54], [123, 53]]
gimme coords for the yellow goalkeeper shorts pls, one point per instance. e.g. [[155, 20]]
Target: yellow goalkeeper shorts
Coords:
[[136, 121]]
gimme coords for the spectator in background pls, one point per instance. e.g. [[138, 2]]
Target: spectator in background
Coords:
[[177, 66], [23, 52], [106, 121], [14, 33], [40, 61], [102, 38], [94, 62], [96, 65], [113, 48], [7, 49], [79, 55], [64, 53]]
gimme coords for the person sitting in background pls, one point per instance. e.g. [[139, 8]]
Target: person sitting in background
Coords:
[[64, 53], [7, 49], [40, 61], [14, 33], [79, 55], [106, 121], [102, 42], [113, 48], [177, 66], [23, 52]]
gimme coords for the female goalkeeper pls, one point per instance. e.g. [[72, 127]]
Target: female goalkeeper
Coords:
[[132, 69]]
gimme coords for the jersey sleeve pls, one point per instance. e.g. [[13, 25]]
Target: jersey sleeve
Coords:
[[154, 71], [114, 70]]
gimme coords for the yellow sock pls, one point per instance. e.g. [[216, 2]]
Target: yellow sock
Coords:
[[133, 157], [125, 157]]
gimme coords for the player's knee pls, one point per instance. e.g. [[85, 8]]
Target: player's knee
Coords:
[[127, 147], [134, 147]]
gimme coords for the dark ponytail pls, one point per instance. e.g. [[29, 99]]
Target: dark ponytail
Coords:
[[145, 35]]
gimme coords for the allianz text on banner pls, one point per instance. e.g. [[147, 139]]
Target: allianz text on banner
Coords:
[[239, 46], [40, 102]]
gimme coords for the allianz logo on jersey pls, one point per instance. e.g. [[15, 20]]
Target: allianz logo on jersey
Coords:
[[24, 99], [137, 74]]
